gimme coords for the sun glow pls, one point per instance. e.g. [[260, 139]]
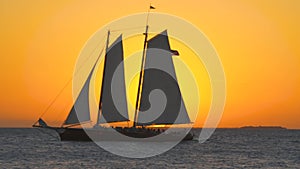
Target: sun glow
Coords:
[[257, 41]]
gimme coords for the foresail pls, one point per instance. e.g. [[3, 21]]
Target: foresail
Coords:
[[161, 100], [113, 106], [80, 111]]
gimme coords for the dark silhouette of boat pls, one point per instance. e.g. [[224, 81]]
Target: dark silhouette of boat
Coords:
[[157, 72]]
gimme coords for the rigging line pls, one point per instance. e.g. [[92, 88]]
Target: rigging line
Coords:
[[96, 62], [76, 124], [56, 97], [100, 100], [133, 28], [59, 115], [94, 50], [68, 82]]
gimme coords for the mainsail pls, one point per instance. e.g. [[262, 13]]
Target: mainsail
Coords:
[[109, 112], [160, 74]]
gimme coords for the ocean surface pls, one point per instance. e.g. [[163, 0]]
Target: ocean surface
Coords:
[[227, 148]]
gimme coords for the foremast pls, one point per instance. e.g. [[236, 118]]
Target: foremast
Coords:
[[102, 86]]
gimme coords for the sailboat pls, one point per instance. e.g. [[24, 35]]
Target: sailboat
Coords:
[[156, 61]]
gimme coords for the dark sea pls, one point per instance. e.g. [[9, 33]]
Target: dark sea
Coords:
[[227, 148]]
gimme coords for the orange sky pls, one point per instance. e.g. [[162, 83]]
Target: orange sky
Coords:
[[257, 41]]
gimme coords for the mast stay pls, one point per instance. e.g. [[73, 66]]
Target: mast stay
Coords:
[[36, 123]]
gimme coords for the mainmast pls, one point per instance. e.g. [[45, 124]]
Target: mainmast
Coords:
[[142, 70], [102, 86]]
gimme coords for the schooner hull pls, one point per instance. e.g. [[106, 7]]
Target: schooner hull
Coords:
[[159, 73], [103, 134]]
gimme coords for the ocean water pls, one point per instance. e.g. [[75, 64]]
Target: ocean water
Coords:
[[227, 148]]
